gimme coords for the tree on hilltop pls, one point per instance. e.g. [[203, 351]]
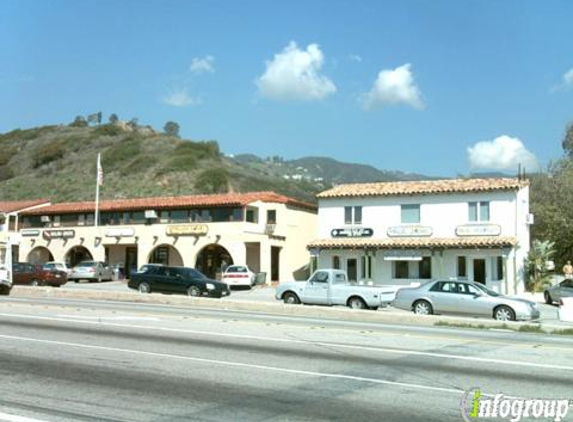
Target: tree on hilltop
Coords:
[[171, 129]]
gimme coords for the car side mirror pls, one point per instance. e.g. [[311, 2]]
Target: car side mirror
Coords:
[[479, 294]]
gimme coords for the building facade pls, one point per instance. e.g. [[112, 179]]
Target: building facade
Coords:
[[9, 236], [403, 233], [264, 230]]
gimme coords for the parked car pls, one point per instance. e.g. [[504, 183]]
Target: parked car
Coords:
[[238, 275], [36, 275], [464, 298], [5, 281], [91, 271], [559, 291], [166, 279], [53, 265], [331, 287]]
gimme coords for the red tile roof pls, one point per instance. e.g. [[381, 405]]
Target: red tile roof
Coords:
[[417, 242], [13, 206], [172, 202], [424, 187]]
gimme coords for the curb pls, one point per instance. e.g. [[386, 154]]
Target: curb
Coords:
[[384, 315]]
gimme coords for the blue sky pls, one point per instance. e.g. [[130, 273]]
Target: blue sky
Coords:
[[434, 87]]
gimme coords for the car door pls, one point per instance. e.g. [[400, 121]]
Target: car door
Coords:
[[18, 274], [564, 289], [444, 297], [316, 289], [178, 280], [567, 288], [473, 301], [161, 280]]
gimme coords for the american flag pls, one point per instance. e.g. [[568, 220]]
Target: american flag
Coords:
[[99, 171]]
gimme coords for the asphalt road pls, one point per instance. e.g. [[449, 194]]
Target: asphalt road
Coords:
[[72, 360]]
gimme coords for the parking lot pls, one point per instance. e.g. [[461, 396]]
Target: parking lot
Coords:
[[266, 294]]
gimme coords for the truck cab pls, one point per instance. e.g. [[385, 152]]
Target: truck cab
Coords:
[[5, 265]]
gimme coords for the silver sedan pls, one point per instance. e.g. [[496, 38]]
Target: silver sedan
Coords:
[[464, 298], [91, 271], [559, 291]]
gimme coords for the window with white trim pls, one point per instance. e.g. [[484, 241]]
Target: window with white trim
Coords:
[[353, 215], [478, 212], [410, 214]]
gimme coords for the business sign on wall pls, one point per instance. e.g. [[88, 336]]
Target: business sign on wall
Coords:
[[409, 231], [58, 234], [478, 230], [123, 232], [352, 232], [187, 230], [405, 255], [29, 232]]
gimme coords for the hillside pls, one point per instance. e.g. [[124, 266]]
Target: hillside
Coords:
[[59, 163]]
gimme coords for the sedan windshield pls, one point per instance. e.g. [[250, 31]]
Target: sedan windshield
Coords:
[[489, 292]]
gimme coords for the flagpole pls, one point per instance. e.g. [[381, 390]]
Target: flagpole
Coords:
[[98, 182]]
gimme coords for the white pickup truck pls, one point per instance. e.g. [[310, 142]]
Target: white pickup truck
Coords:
[[331, 287]]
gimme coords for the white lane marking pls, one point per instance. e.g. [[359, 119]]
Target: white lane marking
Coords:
[[15, 418], [236, 364], [310, 343], [115, 318]]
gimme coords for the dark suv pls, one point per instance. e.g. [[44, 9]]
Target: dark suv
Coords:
[[164, 279], [35, 275]]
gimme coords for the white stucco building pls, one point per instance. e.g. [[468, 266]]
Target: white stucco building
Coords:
[[408, 232], [264, 230]]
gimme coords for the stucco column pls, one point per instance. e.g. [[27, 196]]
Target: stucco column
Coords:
[[266, 259]]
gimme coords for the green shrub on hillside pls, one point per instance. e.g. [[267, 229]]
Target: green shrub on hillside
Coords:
[[139, 165], [49, 152], [6, 153], [121, 153], [6, 173], [107, 130], [187, 154], [214, 180]]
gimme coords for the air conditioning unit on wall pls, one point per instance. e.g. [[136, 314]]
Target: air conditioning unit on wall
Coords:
[[45, 219], [530, 219], [150, 214]]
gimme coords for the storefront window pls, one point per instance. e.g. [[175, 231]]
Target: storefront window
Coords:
[[401, 269], [499, 267], [336, 262], [367, 267], [137, 217], [425, 268], [462, 271], [179, 216]]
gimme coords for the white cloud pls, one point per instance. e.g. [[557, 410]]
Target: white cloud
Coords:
[[202, 65], [503, 153], [294, 74], [393, 87], [355, 58], [568, 79], [180, 98]]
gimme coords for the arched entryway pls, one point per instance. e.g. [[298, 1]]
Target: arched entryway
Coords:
[[166, 255], [40, 255], [76, 255], [213, 259]]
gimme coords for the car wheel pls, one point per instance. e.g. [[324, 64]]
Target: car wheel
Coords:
[[144, 287], [356, 303], [548, 299], [423, 307], [34, 283], [504, 313], [193, 291], [290, 298]]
